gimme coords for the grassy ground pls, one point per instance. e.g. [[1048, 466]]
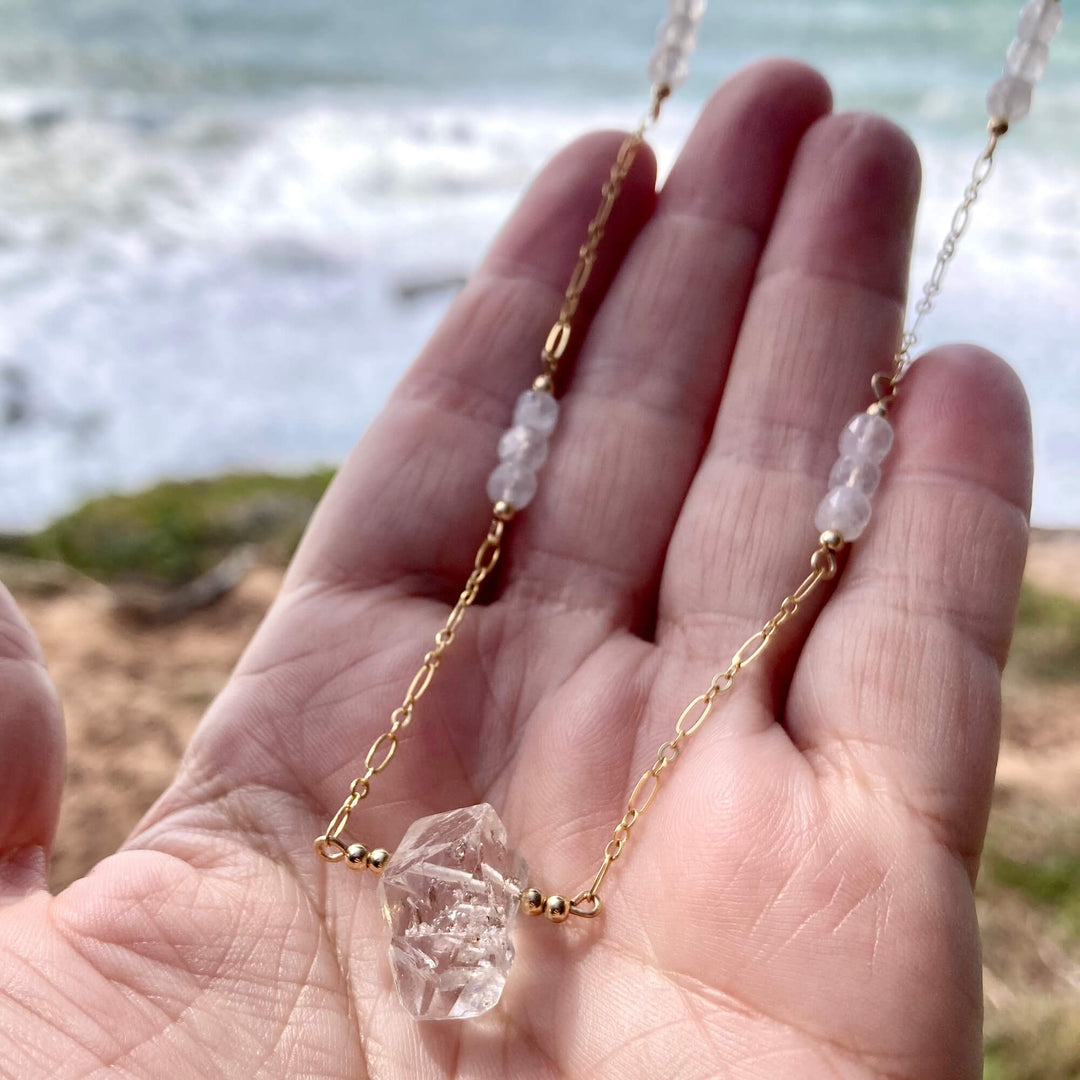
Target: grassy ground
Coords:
[[133, 694], [175, 532]]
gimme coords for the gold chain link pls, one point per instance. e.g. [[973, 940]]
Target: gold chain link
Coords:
[[884, 384], [822, 568], [822, 563], [330, 846], [559, 336]]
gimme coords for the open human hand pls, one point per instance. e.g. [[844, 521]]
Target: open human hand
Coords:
[[798, 901]]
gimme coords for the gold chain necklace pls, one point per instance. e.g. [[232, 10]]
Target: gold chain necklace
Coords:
[[451, 890]]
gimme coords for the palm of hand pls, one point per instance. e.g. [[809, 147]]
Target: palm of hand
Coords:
[[798, 899]]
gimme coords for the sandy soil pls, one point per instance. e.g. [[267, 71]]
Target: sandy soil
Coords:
[[132, 698]]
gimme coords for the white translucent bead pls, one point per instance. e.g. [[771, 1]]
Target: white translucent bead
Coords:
[[843, 510], [537, 410], [858, 473], [1027, 60], [523, 446], [668, 67], [512, 483], [1039, 20], [1009, 98], [866, 437], [678, 32], [692, 9]]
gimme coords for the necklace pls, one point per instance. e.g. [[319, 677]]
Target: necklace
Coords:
[[453, 887]]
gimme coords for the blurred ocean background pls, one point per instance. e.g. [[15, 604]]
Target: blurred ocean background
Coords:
[[215, 214]]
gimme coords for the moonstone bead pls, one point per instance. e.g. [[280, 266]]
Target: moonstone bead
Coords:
[[523, 446], [844, 510], [1009, 98], [1039, 20], [1027, 60], [866, 437], [668, 67], [858, 473], [512, 483], [537, 410], [693, 9], [678, 32]]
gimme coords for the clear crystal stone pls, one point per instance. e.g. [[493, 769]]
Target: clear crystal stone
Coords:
[[678, 32], [866, 437], [450, 894], [1009, 98], [844, 510], [668, 67], [693, 8], [523, 446], [1039, 20], [1027, 60], [538, 410], [857, 473], [512, 483]]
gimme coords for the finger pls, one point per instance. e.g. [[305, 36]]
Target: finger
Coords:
[[824, 314], [410, 498], [899, 683], [31, 756], [646, 386]]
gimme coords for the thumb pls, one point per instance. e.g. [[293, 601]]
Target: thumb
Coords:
[[31, 756]]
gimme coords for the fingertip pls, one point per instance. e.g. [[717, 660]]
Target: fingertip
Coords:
[[31, 754], [767, 108], [849, 211], [771, 85], [964, 411], [31, 760], [559, 203]]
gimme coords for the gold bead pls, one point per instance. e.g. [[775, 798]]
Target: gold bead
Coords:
[[557, 908], [357, 855], [877, 409], [532, 902], [998, 126], [831, 539], [503, 510], [377, 860], [545, 383]]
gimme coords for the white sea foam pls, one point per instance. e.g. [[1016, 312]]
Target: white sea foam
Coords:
[[221, 286]]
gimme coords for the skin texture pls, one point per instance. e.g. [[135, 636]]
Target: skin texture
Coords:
[[798, 900]]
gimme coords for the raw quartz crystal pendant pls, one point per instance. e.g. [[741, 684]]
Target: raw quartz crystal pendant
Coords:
[[450, 894]]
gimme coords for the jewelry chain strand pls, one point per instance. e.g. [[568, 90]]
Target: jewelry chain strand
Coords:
[[587, 904], [885, 384], [329, 845]]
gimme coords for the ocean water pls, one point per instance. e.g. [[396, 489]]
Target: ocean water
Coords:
[[213, 212]]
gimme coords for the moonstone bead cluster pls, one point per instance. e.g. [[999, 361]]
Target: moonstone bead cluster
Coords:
[[523, 448], [1010, 97], [864, 444], [677, 36]]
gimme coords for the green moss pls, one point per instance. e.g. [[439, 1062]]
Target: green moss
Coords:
[[176, 531], [1047, 641], [1053, 881]]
